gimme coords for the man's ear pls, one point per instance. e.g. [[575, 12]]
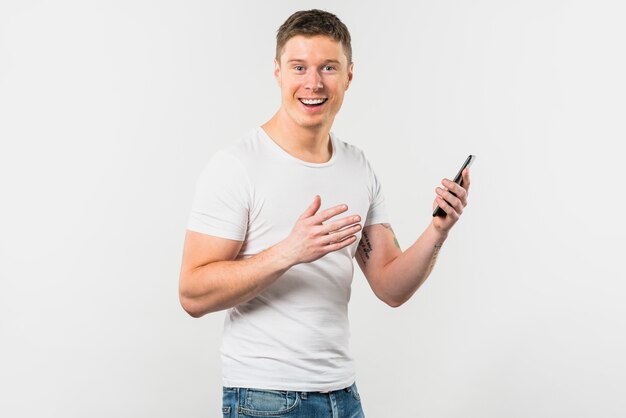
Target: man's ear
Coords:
[[350, 74], [277, 72]]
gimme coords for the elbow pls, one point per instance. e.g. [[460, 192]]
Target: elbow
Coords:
[[394, 303], [399, 300], [194, 314], [391, 300], [190, 307], [395, 300], [188, 300]]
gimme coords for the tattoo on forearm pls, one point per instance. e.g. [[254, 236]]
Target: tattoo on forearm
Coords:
[[365, 248], [434, 259], [388, 226]]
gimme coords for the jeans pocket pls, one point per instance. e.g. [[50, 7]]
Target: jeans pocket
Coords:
[[355, 392], [269, 402], [229, 401]]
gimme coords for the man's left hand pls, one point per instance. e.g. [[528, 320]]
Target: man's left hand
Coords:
[[452, 199]]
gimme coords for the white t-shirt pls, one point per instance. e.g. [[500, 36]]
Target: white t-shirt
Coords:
[[295, 334]]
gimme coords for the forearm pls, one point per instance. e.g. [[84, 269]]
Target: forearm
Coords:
[[401, 278], [224, 284]]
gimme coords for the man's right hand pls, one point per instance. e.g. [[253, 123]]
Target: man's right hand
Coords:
[[311, 238], [212, 279]]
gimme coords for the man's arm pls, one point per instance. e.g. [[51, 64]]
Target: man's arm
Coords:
[[395, 276], [211, 279]]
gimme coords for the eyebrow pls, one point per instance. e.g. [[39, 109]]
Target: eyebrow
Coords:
[[296, 60]]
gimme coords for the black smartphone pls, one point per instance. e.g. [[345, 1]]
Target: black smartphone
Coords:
[[458, 179]]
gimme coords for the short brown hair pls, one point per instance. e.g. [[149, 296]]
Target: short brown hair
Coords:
[[310, 23]]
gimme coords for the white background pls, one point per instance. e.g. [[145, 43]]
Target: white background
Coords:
[[110, 109]]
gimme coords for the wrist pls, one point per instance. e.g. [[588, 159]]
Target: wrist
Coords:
[[439, 235], [282, 256]]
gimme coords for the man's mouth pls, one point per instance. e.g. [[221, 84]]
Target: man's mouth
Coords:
[[313, 102]]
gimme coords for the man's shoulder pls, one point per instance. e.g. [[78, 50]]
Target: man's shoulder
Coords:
[[240, 152], [349, 150], [245, 144]]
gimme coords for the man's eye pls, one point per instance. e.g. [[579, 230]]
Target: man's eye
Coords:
[[328, 68], [299, 68]]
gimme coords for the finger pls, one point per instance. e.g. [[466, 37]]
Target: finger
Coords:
[[466, 179], [456, 189], [340, 244], [339, 224], [341, 234], [326, 214], [451, 199], [313, 207], [454, 200], [445, 206]]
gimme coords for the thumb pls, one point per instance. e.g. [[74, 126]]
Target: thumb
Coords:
[[313, 207], [466, 179]]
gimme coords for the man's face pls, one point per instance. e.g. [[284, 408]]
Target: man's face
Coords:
[[313, 75]]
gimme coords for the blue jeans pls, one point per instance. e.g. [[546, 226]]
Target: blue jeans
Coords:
[[246, 402]]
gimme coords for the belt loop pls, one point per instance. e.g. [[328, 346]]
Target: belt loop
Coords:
[[241, 395], [303, 396]]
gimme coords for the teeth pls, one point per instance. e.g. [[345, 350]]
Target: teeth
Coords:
[[312, 101]]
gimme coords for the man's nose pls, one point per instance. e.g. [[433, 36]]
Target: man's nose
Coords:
[[314, 81]]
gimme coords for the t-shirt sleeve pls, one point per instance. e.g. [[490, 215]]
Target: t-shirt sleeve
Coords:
[[377, 213], [221, 202]]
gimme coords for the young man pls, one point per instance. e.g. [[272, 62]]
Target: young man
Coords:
[[282, 269]]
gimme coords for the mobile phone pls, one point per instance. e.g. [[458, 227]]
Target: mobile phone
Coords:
[[458, 179]]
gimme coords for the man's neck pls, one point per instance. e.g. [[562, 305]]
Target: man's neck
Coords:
[[307, 144]]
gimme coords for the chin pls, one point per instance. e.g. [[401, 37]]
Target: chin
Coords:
[[312, 124]]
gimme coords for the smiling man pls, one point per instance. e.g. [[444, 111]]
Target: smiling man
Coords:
[[261, 243]]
